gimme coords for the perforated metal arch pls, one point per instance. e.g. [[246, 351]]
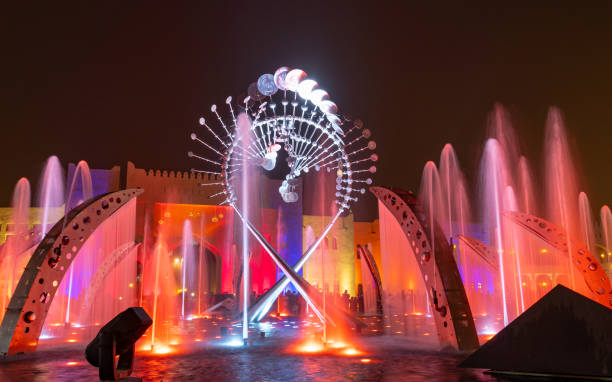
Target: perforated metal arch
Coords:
[[369, 259], [29, 305], [582, 259], [485, 252], [447, 296]]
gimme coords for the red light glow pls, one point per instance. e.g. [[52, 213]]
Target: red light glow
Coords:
[[351, 352], [159, 348], [310, 347]]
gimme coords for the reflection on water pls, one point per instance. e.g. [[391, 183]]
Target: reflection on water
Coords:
[[380, 359]]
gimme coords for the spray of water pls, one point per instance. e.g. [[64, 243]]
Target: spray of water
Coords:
[[51, 193]]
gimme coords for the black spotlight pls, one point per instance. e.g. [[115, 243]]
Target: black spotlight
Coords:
[[117, 339]]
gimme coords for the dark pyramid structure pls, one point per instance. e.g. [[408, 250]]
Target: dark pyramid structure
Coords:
[[564, 333]]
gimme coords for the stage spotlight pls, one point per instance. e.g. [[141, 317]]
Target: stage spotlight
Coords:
[[117, 339]]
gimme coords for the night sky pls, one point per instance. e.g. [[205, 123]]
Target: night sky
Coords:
[[119, 81]]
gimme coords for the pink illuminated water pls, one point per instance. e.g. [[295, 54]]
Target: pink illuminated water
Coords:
[[203, 276], [432, 199], [188, 265], [587, 225], [51, 193], [515, 241], [457, 201], [524, 267], [83, 174], [560, 182], [13, 254], [160, 290], [494, 178], [525, 188], [80, 179]]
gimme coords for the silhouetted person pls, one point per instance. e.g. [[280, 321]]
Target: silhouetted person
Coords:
[[346, 299]]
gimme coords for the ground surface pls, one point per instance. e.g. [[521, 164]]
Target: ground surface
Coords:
[[266, 360]]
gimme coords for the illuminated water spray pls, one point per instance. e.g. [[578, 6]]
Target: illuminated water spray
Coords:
[[51, 192], [494, 185], [81, 172], [283, 112], [187, 261]]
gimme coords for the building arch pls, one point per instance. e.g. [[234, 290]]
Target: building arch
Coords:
[[213, 260]]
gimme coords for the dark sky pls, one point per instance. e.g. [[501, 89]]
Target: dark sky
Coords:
[[119, 81]]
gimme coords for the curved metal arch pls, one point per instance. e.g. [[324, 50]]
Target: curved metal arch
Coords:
[[594, 276], [29, 305], [369, 259], [485, 252], [449, 299]]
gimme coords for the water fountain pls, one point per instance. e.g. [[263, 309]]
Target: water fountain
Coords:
[[462, 263], [188, 265], [22, 241], [13, 253], [587, 225], [81, 173], [303, 124], [505, 263], [51, 194]]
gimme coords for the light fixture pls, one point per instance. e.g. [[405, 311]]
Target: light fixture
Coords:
[[112, 350]]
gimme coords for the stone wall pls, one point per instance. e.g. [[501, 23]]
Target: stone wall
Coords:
[[173, 186], [338, 250]]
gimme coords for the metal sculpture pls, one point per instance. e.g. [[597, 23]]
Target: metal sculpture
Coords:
[[369, 259], [26, 312], [286, 111], [485, 252], [447, 296], [581, 258]]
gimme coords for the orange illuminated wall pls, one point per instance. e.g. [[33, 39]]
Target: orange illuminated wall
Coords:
[[214, 225], [337, 250], [367, 233]]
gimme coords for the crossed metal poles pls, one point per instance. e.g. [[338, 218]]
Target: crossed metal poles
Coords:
[[264, 303]]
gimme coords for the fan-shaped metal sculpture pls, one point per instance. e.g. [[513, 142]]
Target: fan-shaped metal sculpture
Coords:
[[286, 111]]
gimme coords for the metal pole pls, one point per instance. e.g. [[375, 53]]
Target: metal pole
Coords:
[[280, 262], [272, 294]]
